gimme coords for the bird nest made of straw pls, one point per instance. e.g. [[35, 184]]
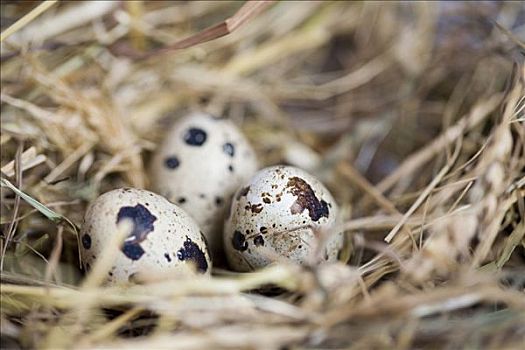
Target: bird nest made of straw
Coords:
[[412, 114]]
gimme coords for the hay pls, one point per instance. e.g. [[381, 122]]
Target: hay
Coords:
[[412, 114]]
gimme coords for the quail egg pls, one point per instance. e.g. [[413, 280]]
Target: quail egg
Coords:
[[164, 239], [278, 215], [200, 164]]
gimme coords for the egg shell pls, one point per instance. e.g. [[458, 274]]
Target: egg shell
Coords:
[[274, 216], [200, 164], [164, 239]]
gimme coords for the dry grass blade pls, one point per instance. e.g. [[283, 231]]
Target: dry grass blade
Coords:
[[424, 194], [511, 36], [39, 206], [55, 256], [14, 222], [418, 159], [353, 175], [44, 6]]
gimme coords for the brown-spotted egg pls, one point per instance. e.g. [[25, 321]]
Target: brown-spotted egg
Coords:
[[163, 240], [200, 164], [276, 215]]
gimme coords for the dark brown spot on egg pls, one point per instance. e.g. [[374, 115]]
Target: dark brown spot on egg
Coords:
[[230, 168], [195, 136], [171, 162], [219, 201], [254, 208], [181, 200], [258, 240], [142, 221], [267, 200], [263, 229], [167, 256], [229, 149], [191, 252], [86, 241], [306, 199], [239, 241]]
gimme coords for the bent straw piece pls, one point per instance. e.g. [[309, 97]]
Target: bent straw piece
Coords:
[[44, 210], [249, 10], [29, 159], [50, 214]]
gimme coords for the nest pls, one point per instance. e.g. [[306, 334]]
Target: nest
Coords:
[[411, 113]]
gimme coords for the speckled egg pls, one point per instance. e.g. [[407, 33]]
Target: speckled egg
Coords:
[[163, 240], [276, 215], [200, 164]]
